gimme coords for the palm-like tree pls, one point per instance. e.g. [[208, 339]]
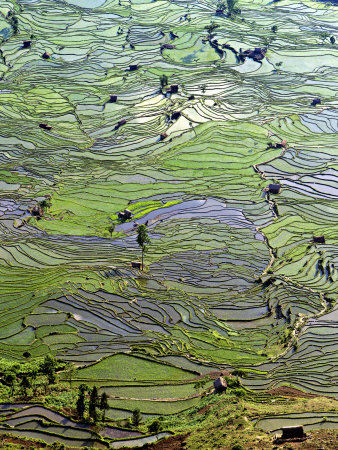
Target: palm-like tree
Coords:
[[142, 239]]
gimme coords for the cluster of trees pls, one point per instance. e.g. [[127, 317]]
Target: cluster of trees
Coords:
[[95, 402], [230, 5], [14, 22], [89, 402], [20, 377]]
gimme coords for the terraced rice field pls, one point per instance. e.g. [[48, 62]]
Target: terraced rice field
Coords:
[[232, 272], [38, 422]]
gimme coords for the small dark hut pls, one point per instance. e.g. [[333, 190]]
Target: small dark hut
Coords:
[[175, 115], [174, 88], [113, 99], [120, 123], [168, 47], [316, 101], [319, 239], [46, 55], [133, 67], [26, 44], [257, 55], [282, 144], [128, 214], [191, 97], [136, 265], [163, 136], [45, 126], [125, 215], [37, 211], [295, 432], [274, 188], [220, 385]]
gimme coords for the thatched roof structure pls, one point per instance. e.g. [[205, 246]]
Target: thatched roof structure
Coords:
[[45, 126], [316, 101], [294, 432], [113, 99], [174, 88], [133, 67], [282, 144], [26, 44], [136, 265], [120, 123], [168, 47], [319, 239], [175, 115], [46, 55], [220, 385], [274, 188], [163, 136], [37, 211]]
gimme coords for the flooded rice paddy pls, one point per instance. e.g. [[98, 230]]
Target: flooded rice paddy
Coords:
[[229, 270]]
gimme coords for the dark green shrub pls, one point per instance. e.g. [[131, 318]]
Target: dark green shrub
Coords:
[[136, 418], [239, 392], [237, 447], [155, 426]]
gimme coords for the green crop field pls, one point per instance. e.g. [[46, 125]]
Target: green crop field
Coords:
[[155, 107]]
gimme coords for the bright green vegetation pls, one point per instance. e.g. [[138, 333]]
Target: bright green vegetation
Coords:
[[232, 277], [125, 367], [229, 420]]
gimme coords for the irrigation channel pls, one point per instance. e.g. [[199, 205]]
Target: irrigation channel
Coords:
[[233, 278]]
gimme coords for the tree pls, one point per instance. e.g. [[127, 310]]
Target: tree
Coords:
[[25, 384], [142, 239], [210, 29], [93, 403], [163, 80], [48, 368], [33, 376], [136, 418], [10, 379], [111, 228], [104, 405], [71, 371], [332, 40], [232, 7], [274, 28], [81, 401]]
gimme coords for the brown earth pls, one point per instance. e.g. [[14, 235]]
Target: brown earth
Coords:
[[290, 392], [24, 444], [318, 440], [171, 443]]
